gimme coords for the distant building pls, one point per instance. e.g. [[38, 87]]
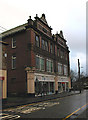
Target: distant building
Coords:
[[37, 61], [3, 70]]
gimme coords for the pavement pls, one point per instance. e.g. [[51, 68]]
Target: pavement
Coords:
[[17, 101]]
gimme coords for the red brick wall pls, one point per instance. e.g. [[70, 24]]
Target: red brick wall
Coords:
[[32, 59], [55, 49], [22, 60]]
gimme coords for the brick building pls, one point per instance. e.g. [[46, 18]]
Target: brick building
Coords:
[[3, 70], [37, 61]]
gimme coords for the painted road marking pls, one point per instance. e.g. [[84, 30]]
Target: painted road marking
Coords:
[[32, 108], [32, 104], [8, 116], [38, 102], [75, 111]]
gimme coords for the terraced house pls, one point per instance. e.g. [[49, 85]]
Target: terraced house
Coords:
[[37, 61]]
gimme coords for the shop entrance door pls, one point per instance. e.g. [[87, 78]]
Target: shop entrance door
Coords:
[[59, 87], [63, 85]]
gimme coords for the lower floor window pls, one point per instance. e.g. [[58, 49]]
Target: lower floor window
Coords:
[[60, 68], [40, 63], [44, 87], [49, 65], [65, 70], [13, 62]]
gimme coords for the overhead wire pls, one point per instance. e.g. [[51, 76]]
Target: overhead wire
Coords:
[[3, 28]]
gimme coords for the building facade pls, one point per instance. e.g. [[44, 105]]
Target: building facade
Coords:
[[3, 70], [37, 61]]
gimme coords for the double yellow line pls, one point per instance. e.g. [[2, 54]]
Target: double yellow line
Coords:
[[74, 112]]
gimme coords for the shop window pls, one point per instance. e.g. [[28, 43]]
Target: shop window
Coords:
[[49, 66], [51, 87], [37, 41], [13, 61], [13, 43]]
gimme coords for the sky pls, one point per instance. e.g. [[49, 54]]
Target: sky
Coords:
[[66, 15]]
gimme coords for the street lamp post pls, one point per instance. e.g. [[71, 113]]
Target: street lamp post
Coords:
[[79, 75]]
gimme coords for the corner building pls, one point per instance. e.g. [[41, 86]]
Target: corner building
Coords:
[[37, 61]]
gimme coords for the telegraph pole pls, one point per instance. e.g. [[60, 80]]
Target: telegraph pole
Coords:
[[79, 75]]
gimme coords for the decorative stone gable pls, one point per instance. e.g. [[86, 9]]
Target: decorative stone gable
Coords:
[[43, 18]]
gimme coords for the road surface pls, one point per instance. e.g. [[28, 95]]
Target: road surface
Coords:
[[67, 107]]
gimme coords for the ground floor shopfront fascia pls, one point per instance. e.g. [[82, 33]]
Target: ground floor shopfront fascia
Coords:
[[44, 84], [63, 84], [38, 83]]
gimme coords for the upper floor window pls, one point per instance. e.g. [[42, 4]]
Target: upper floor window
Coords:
[[13, 43], [58, 52], [44, 30], [66, 56], [46, 45], [49, 65], [37, 62], [65, 70], [60, 68], [51, 48], [40, 64], [37, 41], [13, 61], [43, 44], [62, 54]]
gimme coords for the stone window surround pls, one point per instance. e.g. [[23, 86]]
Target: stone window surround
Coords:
[[13, 43], [65, 70], [13, 58], [61, 69], [52, 64], [37, 43]]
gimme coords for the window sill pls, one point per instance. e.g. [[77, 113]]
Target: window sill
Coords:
[[13, 68], [40, 70], [13, 47]]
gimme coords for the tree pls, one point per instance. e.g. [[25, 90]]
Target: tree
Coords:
[[77, 84], [73, 76]]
